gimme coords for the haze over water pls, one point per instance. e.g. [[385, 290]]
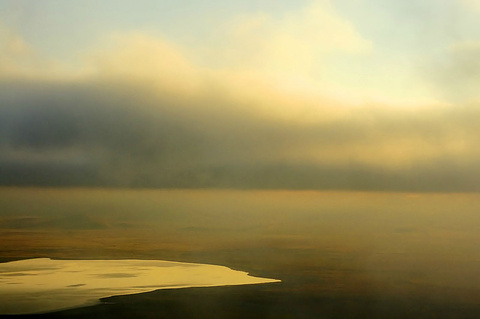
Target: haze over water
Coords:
[[376, 245]]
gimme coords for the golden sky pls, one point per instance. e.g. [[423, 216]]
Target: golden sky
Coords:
[[359, 94]]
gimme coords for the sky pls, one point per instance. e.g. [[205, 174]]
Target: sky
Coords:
[[343, 94]]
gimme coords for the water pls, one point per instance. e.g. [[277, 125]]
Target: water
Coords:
[[382, 247], [42, 285]]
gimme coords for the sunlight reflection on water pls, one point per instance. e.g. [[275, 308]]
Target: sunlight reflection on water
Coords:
[[43, 284]]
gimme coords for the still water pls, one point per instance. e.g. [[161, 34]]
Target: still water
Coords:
[[39, 285], [413, 247]]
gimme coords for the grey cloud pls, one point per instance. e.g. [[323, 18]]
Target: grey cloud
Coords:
[[101, 133]]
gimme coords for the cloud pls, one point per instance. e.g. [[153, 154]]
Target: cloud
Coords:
[[102, 131], [19, 59], [138, 57], [15, 54], [142, 113], [292, 44], [471, 5], [458, 75]]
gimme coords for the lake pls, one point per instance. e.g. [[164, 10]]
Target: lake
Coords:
[[338, 254]]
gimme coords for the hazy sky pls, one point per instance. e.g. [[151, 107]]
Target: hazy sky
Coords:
[[340, 94]]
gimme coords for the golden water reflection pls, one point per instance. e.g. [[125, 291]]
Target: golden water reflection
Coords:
[[43, 284]]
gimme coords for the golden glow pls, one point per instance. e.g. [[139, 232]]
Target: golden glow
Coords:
[[38, 285]]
